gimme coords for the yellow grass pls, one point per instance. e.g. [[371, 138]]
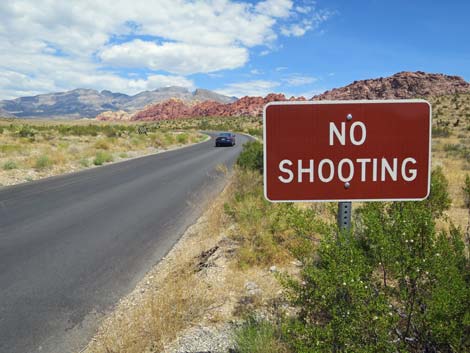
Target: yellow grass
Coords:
[[32, 150]]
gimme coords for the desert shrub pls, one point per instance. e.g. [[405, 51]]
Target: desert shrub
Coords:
[[440, 131], [9, 165], [204, 125], [43, 162], [182, 138], [102, 144], [26, 131], [393, 284], [102, 157], [123, 155], [255, 132], [169, 139], [259, 337], [268, 232], [466, 191], [84, 162], [251, 156], [111, 131]]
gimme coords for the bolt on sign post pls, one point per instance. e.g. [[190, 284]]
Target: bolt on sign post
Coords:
[[347, 151]]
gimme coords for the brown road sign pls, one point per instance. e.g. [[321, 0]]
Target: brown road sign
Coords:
[[347, 150]]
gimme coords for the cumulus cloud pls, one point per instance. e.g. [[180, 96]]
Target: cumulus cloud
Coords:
[[167, 56], [48, 45]]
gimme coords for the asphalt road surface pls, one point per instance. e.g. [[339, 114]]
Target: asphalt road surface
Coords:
[[71, 246]]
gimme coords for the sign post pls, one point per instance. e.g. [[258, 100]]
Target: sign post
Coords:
[[344, 215], [347, 151]]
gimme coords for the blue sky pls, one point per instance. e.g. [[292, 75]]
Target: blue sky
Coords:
[[234, 47]]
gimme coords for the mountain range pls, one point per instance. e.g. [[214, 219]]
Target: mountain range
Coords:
[[87, 103]]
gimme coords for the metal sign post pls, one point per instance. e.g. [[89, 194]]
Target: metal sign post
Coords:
[[344, 215]]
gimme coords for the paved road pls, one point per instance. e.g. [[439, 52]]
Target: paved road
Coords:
[[71, 246]]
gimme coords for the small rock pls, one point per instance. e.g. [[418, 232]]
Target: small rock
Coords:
[[252, 288], [273, 269]]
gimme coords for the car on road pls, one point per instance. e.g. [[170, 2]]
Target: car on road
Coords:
[[225, 139]]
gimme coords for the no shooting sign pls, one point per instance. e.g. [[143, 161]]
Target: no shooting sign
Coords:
[[347, 150]]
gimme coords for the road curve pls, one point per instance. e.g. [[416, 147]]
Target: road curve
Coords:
[[71, 246]]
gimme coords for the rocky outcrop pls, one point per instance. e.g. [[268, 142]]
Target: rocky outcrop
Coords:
[[399, 86], [168, 110], [120, 115], [177, 109]]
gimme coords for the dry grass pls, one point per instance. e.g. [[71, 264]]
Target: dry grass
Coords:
[[198, 282], [452, 152], [32, 150]]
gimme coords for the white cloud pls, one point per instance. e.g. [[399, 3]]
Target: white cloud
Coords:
[[49, 45], [275, 8], [40, 73], [298, 80], [295, 30], [249, 88], [309, 19], [180, 58]]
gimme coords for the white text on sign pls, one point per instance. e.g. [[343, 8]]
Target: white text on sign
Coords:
[[376, 169]]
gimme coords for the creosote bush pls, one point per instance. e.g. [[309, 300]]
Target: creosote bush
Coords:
[[102, 157], [251, 156], [9, 165], [393, 284], [43, 162]]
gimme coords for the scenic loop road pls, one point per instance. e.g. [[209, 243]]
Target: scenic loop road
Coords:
[[71, 246]]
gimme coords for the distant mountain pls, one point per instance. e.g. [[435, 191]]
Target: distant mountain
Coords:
[[87, 103], [399, 86]]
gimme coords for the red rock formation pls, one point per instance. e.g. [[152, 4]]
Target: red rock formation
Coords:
[[399, 86], [174, 109], [170, 109], [120, 115]]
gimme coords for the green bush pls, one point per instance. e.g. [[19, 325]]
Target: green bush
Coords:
[[102, 157], [9, 165], [255, 132], [393, 284], [259, 337], [182, 138], [251, 156], [440, 131], [43, 162], [267, 232], [466, 191], [26, 131]]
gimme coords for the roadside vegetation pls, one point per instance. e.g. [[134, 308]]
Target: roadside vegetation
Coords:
[[249, 125], [396, 282], [31, 150], [288, 281]]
